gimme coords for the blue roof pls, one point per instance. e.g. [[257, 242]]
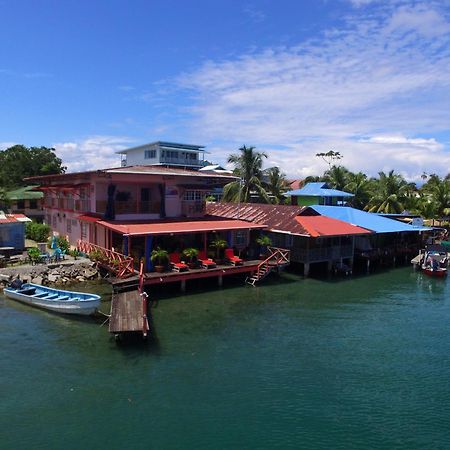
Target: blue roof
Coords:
[[370, 221], [318, 190]]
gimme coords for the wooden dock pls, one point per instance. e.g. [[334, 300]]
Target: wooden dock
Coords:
[[128, 313]]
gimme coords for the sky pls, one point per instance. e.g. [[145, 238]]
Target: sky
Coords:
[[369, 79]]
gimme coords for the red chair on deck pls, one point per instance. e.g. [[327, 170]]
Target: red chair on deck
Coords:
[[231, 258], [205, 262], [176, 263]]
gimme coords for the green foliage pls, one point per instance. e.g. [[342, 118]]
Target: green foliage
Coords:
[[219, 245], [96, 255], [62, 243], [74, 253], [159, 257], [264, 240], [330, 157], [190, 254], [34, 254], [276, 184], [38, 232], [19, 162], [248, 167]]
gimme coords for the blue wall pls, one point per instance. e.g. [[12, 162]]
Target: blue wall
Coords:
[[12, 235]]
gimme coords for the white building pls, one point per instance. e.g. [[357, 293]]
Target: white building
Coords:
[[164, 154]]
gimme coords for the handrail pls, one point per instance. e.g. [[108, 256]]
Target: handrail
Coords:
[[279, 256], [122, 265], [144, 297]]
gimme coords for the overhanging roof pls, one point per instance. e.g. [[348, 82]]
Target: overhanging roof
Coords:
[[364, 219], [179, 227], [320, 189], [322, 226]]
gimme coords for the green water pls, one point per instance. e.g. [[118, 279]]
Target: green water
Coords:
[[305, 364]]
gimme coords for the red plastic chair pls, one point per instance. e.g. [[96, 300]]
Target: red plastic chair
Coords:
[[205, 262], [230, 257], [176, 263]]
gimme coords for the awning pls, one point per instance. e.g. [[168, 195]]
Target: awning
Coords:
[[185, 227], [87, 218], [321, 226]]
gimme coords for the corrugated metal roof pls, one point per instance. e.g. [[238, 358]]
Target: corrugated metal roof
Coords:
[[318, 190], [326, 226], [25, 193], [276, 217], [178, 227], [13, 218], [370, 221]]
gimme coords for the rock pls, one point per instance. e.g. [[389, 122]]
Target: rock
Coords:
[[37, 280], [4, 277], [79, 278], [52, 278]]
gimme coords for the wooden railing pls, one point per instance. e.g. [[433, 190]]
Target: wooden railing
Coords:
[[278, 257], [121, 265]]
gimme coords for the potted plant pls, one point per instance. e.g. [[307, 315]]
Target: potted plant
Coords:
[[219, 245], [190, 256], [263, 241], [160, 259]]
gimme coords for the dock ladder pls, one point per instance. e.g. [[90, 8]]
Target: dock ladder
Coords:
[[277, 260]]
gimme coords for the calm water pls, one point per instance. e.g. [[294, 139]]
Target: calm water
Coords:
[[308, 364]]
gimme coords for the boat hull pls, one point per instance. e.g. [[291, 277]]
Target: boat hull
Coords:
[[439, 273], [55, 300]]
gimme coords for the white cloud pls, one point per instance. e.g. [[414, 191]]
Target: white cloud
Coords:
[[368, 79], [5, 145], [95, 152]]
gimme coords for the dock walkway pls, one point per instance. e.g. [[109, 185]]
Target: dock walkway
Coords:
[[127, 313]]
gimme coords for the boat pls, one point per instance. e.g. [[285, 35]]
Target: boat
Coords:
[[435, 261], [51, 299]]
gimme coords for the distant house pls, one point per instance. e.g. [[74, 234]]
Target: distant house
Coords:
[[12, 230], [26, 200], [164, 154], [318, 194]]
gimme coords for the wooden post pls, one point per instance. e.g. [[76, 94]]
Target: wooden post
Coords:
[[306, 269], [183, 285], [220, 280], [368, 265]]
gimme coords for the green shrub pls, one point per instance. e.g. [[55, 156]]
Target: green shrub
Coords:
[[96, 255], [34, 254], [38, 232], [62, 243]]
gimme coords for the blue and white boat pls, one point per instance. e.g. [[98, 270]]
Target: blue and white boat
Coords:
[[56, 300]]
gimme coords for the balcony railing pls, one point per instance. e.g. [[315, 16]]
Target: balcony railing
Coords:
[[69, 204], [181, 161], [129, 207]]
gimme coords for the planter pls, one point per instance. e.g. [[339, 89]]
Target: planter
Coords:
[[159, 269]]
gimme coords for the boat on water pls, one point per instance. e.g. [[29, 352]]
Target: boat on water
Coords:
[[435, 261], [51, 299]]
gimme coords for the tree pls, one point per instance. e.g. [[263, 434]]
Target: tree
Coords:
[[390, 194], [360, 186], [19, 162], [248, 167], [330, 157], [337, 177], [276, 184], [438, 191]]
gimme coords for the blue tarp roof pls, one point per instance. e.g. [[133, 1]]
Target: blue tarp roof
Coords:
[[370, 221], [318, 190]]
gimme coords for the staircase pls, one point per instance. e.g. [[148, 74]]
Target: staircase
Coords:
[[278, 259]]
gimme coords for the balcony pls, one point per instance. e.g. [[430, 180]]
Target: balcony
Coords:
[[129, 207], [68, 204], [321, 254], [181, 161]]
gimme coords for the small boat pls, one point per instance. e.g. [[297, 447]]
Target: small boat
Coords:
[[51, 299], [435, 261]]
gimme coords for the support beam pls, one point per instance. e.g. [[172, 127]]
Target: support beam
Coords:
[[306, 269]]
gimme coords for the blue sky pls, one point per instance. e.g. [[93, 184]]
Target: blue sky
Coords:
[[367, 78]]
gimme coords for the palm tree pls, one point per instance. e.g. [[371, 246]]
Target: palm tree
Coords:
[[359, 185], [248, 167], [390, 194], [337, 177], [276, 184]]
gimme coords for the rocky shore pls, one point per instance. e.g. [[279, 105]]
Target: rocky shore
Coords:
[[51, 274]]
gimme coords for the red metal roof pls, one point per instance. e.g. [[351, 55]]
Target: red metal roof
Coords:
[[178, 227], [88, 218], [326, 226]]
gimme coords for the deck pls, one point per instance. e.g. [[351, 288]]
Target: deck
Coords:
[[153, 278], [126, 313]]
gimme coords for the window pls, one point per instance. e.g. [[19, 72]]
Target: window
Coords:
[[69, 226], [20, 204], [193, 196], [241, 238], [54, 221], [83, 230], [33, 204], [150, 154]]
